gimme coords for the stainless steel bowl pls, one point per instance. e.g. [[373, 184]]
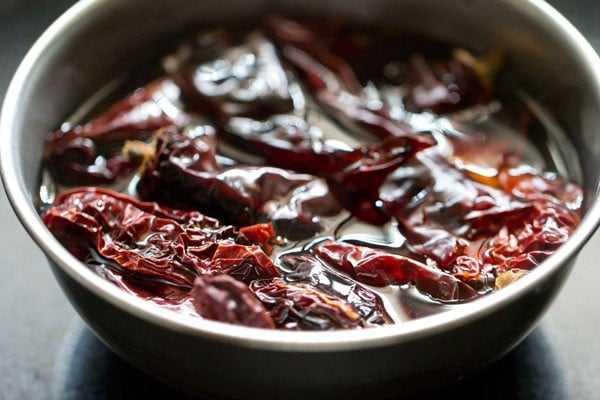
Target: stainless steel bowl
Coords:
[[96, 40]]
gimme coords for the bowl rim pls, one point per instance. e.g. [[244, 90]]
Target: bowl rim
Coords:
[[275, 339]]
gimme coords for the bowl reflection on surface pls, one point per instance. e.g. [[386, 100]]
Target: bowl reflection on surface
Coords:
[[87, 369]]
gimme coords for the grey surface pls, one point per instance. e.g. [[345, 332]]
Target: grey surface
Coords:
[[34, 316], [46, 352]]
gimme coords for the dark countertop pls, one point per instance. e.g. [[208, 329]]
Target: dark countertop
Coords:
[[47, 352]]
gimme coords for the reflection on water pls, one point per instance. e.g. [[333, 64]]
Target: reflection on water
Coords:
[[87, 370]]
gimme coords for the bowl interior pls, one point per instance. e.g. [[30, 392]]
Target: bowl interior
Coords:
[[96, 41]]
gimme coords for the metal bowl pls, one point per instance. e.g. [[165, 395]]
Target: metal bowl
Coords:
[[96, 40]]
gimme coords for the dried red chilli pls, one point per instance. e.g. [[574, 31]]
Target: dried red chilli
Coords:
[[290, 33], [333, 82], [303, 307], [90, 154], [152, 241], [223, 298], [556, 206], [223, 76], [184, 172], [305, 269], [380, 268], [289, 142]]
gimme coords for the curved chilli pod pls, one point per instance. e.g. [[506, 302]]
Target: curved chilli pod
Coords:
[[301, 306], [227, 77], [288, 141], [333, 82], [90, 153], [306, 269], [290, 33], [153, 242], [379, 268], [223, 298], [357, 187], [185, 173]]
